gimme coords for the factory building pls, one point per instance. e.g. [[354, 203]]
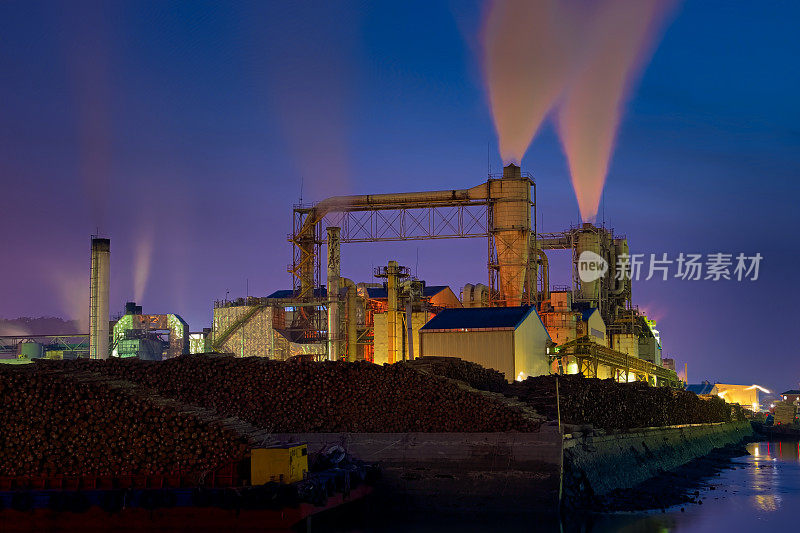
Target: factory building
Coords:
[[566, 321], [256, 327], [512, 340], [247, 328], [440, 296], [428, 300], [592, 325], [143, 336], [200, 341], [791, 396], [744, 395]]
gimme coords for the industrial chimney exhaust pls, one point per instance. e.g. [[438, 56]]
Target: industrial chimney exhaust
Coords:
[[511, 212], [98, 298]]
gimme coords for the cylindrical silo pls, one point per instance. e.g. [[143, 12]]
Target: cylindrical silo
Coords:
[[588, 240], [621, 260], [99, 279], [29, 350], [511, 228]]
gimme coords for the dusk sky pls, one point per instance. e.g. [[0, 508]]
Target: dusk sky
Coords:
[[191, 126]]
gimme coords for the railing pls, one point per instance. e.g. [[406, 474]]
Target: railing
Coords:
[[583, 348]]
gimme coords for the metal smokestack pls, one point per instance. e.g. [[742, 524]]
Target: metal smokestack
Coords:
[[98, 298], [334, 275]]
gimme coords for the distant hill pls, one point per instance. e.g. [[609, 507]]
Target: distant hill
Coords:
[[43, 325]]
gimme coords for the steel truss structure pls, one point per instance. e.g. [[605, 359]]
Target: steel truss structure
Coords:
[[590, 355], [75, 341], [401, 221]]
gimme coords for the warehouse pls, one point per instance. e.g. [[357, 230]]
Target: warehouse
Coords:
[[744, 395], [512, 340]]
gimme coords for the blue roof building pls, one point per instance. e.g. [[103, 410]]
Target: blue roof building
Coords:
[[512, 340]]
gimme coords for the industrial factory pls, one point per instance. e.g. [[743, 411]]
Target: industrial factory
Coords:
[[516, 322]]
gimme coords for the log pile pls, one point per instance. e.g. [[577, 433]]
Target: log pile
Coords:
[[610, 405], [318, 397], [52, 424], [470, 373]]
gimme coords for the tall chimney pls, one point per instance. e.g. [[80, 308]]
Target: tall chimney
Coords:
[[98, 298], [334, 274]]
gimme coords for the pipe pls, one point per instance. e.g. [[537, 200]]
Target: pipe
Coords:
[[620, 247], [545, 262], [334, 273], [305, 239], [370, 201], [366, 202], [351, 325], [410, 325], [391, 313], [99, 280]]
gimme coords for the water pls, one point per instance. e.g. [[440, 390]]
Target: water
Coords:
[[760, 492]]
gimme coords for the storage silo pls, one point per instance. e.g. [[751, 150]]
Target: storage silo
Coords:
[[511, 227], [588, 240]]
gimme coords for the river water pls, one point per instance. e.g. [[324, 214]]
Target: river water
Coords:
[[761, 492]]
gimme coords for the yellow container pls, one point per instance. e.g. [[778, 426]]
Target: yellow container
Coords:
[[54, 354], [281, 464]]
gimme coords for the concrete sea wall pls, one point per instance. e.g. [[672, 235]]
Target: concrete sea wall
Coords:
[[520, 471], [457, 471], [600, 462]]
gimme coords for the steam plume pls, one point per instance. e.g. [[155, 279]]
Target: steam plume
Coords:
[[142, 259], [86, 45], [588, 118], [526, 62], [72, 291]]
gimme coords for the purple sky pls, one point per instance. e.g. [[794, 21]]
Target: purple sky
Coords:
[[195, 122]]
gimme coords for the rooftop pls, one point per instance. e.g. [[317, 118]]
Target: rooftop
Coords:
[[480, 318], [701, 388], [378, 293], [319, 292]]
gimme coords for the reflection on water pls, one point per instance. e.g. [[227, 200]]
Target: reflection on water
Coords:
[[760, 492], [767, 502]]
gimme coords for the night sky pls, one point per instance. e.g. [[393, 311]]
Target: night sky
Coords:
[[191, 124]]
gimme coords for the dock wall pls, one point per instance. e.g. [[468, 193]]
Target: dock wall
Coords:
[[516, 471], [605, 462], [456, 471]]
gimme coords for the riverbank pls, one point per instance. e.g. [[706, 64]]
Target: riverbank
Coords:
[[597, 463], [511, 472], [754, 492]]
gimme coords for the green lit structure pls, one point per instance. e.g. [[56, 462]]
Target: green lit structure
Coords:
[[138, 335]]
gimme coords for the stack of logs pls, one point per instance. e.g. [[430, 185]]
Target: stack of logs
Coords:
[[51, 424], [610, 405], [470, 373], [318, 397]]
